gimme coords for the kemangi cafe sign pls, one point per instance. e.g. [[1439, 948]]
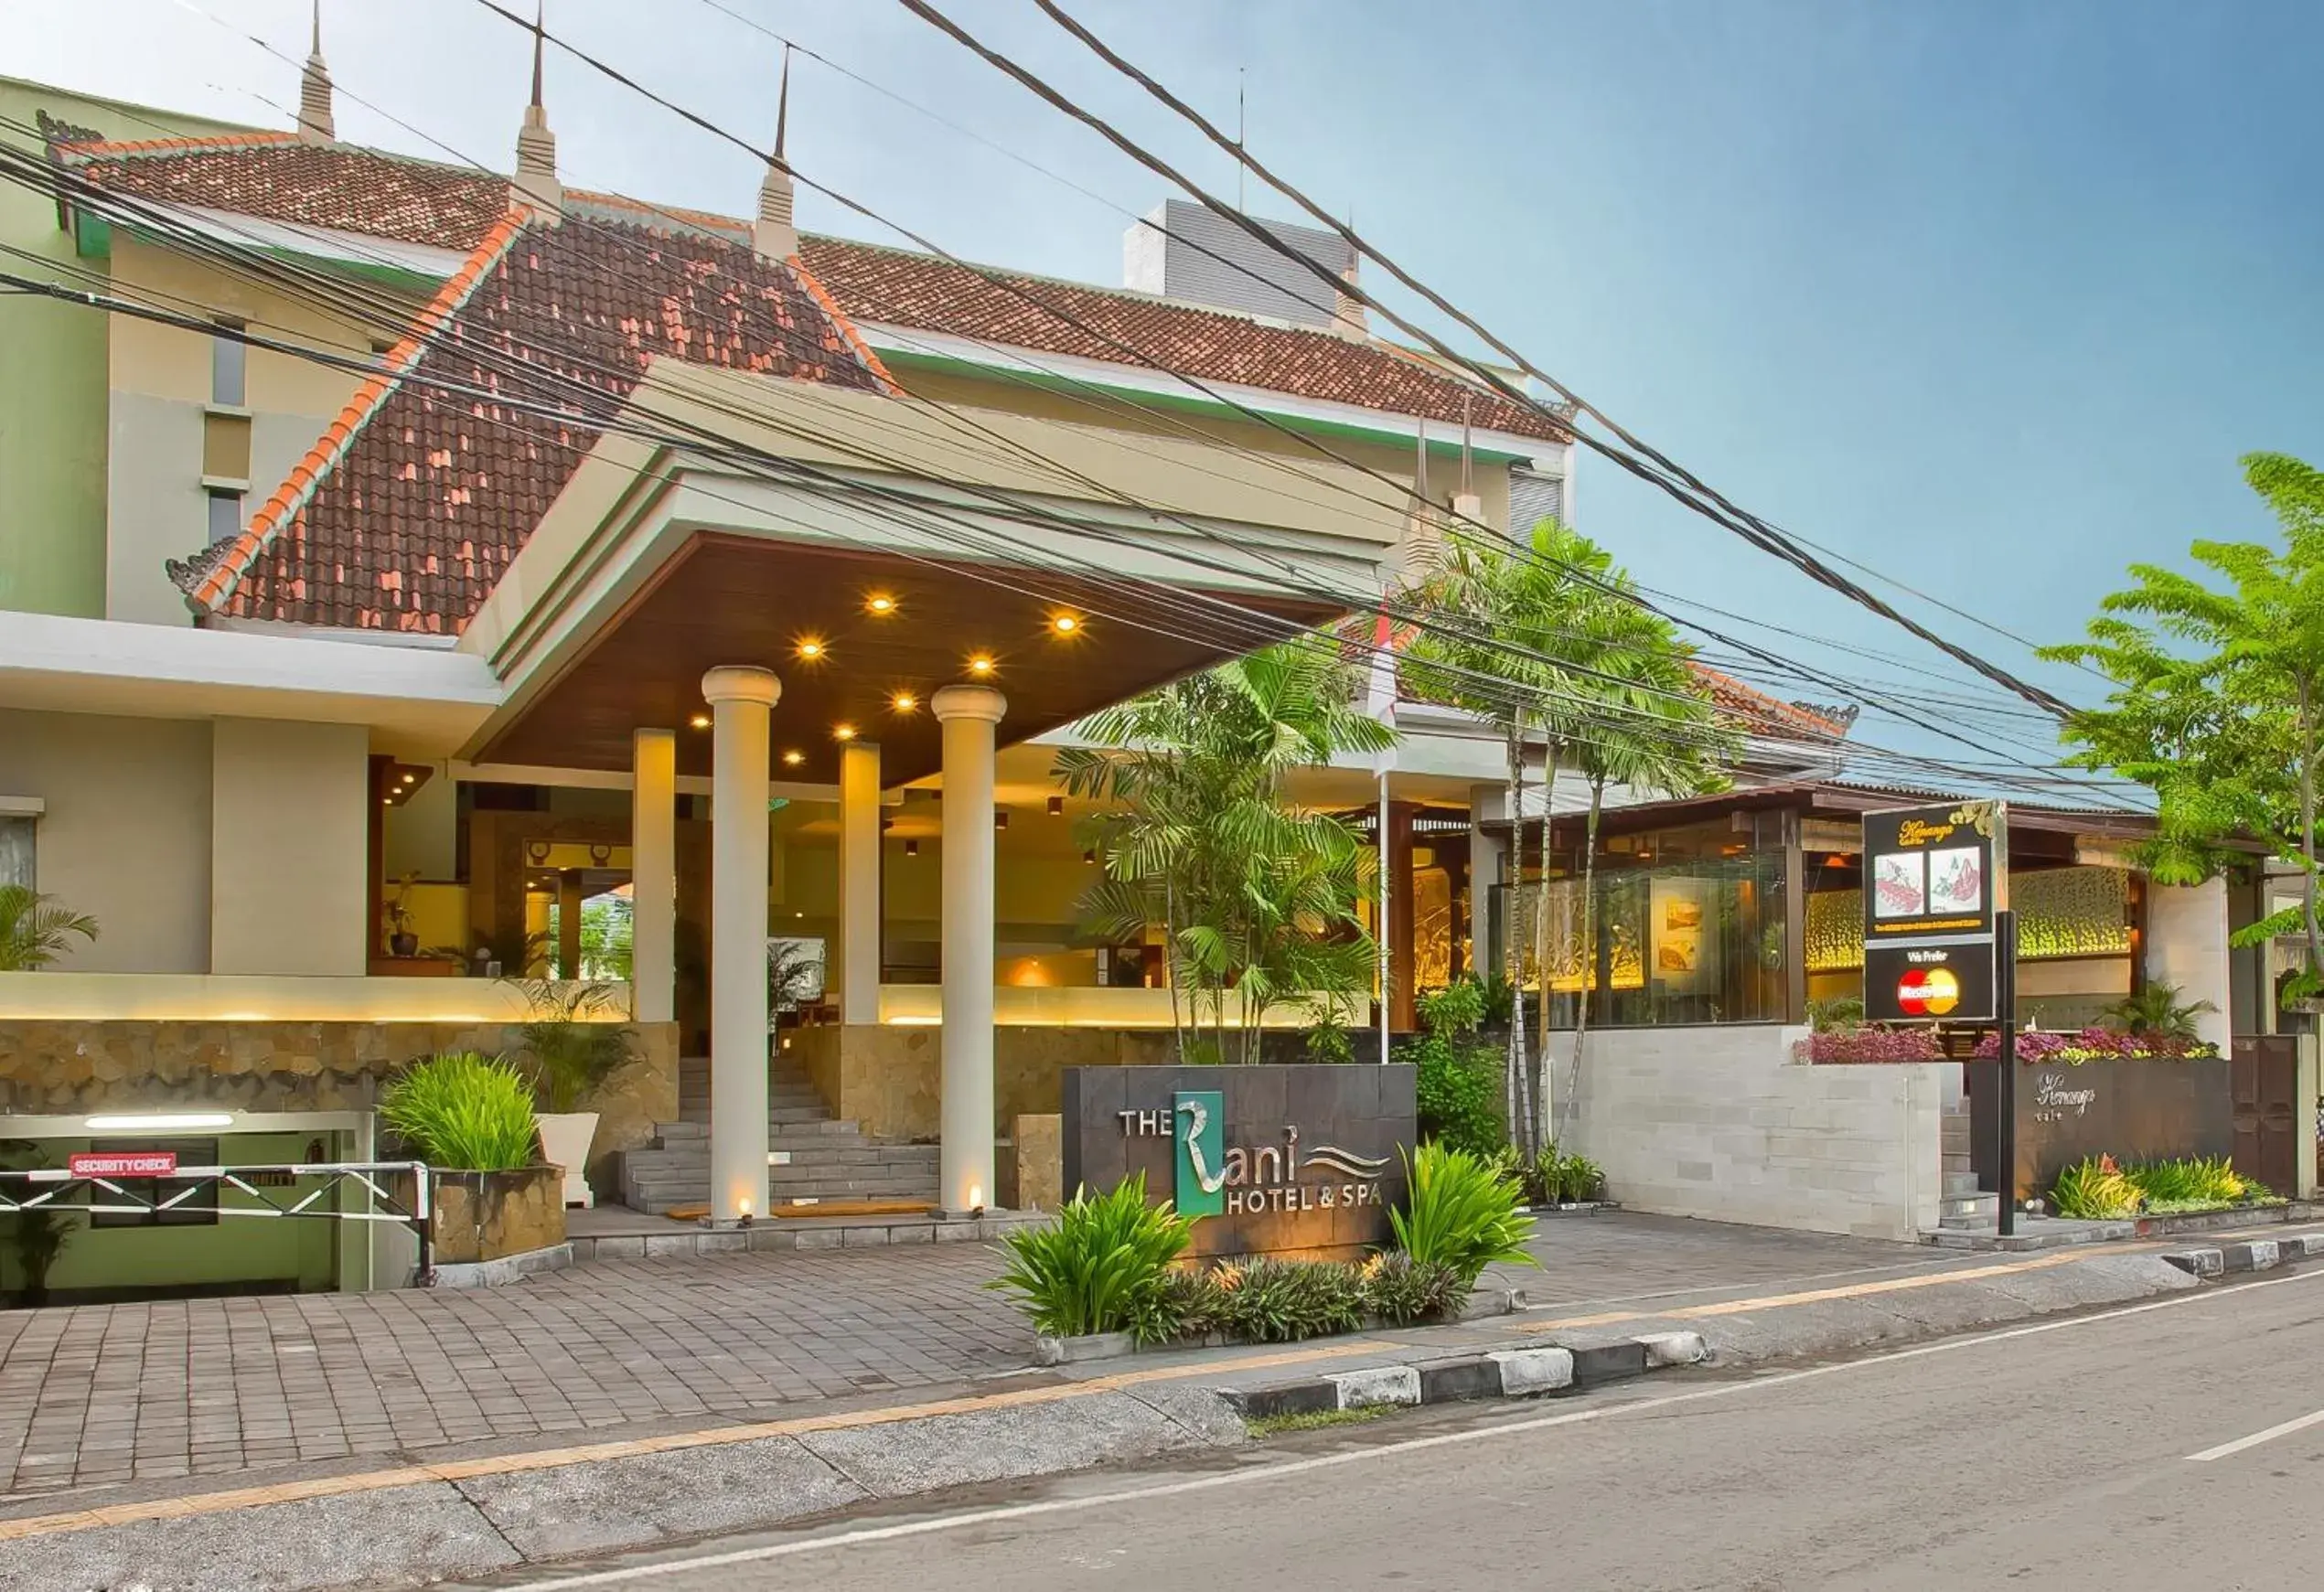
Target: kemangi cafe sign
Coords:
[[1934, 878], [1307, 1158]]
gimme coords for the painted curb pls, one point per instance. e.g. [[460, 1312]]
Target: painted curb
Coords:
[[1500, 1374], [2259, 1255]]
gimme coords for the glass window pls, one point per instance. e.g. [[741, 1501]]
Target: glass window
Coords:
[[16, 851], [225, 515], [227, 360]]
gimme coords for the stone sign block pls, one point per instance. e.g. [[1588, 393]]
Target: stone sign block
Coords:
[[1306, 1158]]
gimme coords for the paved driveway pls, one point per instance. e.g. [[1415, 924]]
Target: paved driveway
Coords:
[[103, 1393]]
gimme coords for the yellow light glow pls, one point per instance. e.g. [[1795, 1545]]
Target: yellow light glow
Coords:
[[700, 721], [979, 665], [744, 1206], [1064, 624], [906, 702], [793, 759], [881, 603], [913, 1020], [810, 648], [842, 732]]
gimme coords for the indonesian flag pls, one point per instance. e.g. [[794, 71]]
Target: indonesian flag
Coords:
[[1379, 685]]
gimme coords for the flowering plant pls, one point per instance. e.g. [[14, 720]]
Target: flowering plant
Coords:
[[2038, 1047], [1872, 1044]]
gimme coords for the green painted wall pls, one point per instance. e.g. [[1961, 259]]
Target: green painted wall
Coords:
[[53, 373]]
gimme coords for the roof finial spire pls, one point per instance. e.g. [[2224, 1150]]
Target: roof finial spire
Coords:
[[1466, 504], [1347, 309], [315, 90], [774, 237], [536, 183]]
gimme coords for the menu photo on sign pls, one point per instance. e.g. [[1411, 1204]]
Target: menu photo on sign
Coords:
[[1934, 871], [1680, 915]]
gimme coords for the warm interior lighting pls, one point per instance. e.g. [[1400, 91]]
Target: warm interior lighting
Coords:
[[1835, 860], [1089, 856], [410, 778], [911, 848], [980, 665], [700, 721], [744, 1206], [1064, 624], [910, 1021], [1056, 806], [881, 603], [1001, 817], [809, 648], [159, 1122], [793, 759], [904, 702], [842, 732]]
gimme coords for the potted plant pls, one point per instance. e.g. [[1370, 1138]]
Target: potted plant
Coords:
[[572, 1041], [35, 1238], [401, 940], [470, 1117], [34, 929]]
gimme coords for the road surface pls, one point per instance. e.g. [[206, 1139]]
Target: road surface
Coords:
[[2148, 1450]]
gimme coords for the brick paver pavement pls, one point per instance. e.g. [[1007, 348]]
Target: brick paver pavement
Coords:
[[105, 1393]]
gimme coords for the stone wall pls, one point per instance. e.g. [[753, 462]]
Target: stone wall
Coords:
[[72, 1067], [1722, 1122], [889, 1078]]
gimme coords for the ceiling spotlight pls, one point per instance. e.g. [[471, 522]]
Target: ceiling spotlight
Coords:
[[980, 665], [1064, 624], [1090, 856], [911, 848], [700, 721], [881, 603], [810, 649], [793, 759], [904, 702], [999, 817], [842, 732], [1056, 806], [410, 778]]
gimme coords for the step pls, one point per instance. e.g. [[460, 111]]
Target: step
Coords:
[[1957, 1184], [1958, 1211]]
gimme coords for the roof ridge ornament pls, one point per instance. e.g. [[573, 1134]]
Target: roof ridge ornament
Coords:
[[315, 121], [773, 236], [535, 184]]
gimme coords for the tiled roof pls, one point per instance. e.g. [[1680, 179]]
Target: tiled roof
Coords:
[[904, 289], [1765, 715], [281, 177], [410, 508]]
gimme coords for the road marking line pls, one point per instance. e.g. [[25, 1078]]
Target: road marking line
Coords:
[[2285, 1430], [1813, 1295], [1240, 1479]]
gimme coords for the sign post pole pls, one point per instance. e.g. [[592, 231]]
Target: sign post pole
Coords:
[[2005, 981]]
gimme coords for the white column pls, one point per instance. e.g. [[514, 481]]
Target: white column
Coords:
[[860, 882], [1484, 873], [2186, 946], [739, 698], [653, 876], [965, 1163]]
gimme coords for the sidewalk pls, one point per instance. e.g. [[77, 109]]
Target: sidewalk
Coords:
[[465, 1509]]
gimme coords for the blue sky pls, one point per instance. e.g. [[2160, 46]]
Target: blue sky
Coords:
[[1989, 295]]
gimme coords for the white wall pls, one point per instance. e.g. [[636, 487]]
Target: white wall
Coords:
[[125, 834], [1719, 1122], [289, 836], [2186, 946]]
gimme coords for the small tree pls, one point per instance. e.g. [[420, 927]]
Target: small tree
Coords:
[[2218, 704], [36, 929]]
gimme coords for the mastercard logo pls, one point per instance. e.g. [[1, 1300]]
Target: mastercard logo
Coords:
[[1927, 992]]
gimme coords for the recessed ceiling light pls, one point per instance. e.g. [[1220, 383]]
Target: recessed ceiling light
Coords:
[[1001, 817], [904, 702], [810, 648], [700, 721], [1056, 806], [881, 603], [980, 665], [1064, 624], [842, 732], [911, 846], [793, 759], [410, 778], [1089, 856]]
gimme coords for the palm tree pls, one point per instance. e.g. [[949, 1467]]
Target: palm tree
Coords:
[[35, 928], [2156, 1012], [1248, 891]]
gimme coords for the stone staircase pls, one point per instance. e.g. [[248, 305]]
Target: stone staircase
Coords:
[[1965, 1207], [812, 1157]]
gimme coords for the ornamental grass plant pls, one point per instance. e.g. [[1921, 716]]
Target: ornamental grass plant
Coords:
[[1105, 1266], [463, 1112], [1464, 1214]]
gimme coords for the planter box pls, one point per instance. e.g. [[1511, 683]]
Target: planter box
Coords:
[[2132, 1110], [482, 1216]]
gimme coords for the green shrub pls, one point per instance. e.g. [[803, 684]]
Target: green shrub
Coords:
[[1282, 1301], [1191, 1303], [1104, 1268], [1401, 1290], [1456, 1008], [463, 1112], [2197, 1183], [2095, 1190], [1458, 1091], [1579, 1178], [571, 1041], [1462, 1215]]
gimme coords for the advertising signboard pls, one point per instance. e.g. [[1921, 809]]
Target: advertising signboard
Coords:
[[1934, 879]]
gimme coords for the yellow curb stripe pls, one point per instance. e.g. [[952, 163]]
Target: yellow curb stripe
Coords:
[[456, 1470], [1815, 1296]]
